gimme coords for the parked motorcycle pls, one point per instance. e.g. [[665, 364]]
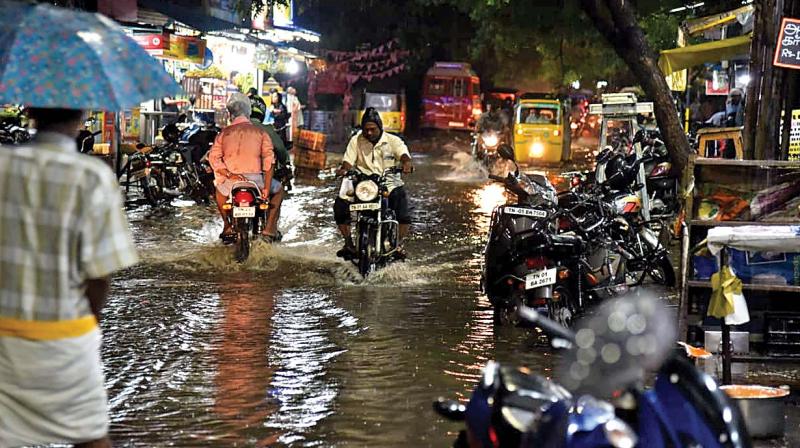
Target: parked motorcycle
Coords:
[[602, 401], [249, 214], [525, 261], [376, 231], [662, 181], [13, 131]]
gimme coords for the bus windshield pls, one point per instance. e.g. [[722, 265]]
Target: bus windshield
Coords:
[[439, 87]]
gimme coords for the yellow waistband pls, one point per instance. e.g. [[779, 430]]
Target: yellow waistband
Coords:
[[44, 330]]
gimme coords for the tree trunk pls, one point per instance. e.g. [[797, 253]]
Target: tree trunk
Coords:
[[754, 88], [766, 138], [617, 23]]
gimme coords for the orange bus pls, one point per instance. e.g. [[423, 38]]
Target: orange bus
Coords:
[[451, 97]]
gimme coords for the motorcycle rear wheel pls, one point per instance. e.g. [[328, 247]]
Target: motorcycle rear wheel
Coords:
[[662, 272], [561, 310], [153, 191]]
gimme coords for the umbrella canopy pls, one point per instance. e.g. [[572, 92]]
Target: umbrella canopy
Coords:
[[60, 58]]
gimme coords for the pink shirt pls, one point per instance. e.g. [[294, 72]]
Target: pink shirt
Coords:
[[241, 148]]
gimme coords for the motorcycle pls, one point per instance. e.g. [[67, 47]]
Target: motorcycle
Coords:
[[249, 214], [12, 129], [662, 181], [602, 401], [485, 145], [376, 230], [525, 261]]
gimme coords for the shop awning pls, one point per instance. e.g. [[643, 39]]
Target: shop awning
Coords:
[[681, 58]]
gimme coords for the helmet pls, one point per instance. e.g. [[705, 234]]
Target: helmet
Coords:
[[170, 133]]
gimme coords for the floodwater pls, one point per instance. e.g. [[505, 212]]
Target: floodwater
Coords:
[[292, 348]]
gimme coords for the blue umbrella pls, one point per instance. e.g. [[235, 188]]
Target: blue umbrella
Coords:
[[61, 58]]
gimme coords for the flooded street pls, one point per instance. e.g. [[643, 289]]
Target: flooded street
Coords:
[[292, 348]]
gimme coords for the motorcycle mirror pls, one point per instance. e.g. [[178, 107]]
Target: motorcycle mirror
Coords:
[[506, 152]]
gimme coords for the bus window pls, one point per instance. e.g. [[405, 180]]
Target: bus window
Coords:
[[476, 88], [438, 86], [458, 88]]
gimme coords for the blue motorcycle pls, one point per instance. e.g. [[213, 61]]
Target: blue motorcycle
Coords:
[[602, 401]]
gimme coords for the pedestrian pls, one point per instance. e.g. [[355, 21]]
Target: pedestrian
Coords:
[[295, 109], [280, 115], [62, 234], [734, 108], [242, 152], [257, 105]]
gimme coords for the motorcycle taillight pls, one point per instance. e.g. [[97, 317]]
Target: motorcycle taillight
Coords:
[[243, 198], [536, 262]]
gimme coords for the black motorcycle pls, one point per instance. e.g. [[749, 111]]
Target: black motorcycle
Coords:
[[485, 145], [376, 231], [249, 214], [526, 262]]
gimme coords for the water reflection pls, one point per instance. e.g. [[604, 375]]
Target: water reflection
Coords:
[[243, 374]]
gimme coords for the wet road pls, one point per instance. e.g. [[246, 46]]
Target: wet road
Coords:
[[292, 348]]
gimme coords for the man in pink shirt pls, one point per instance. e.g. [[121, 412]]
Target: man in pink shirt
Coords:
[[242, 152]]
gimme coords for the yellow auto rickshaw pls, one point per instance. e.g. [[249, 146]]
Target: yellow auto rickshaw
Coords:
[[390, 106], [541, 134]]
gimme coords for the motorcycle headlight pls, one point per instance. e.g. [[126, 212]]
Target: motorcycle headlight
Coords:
[[537, 149], [366, 190], [490, 140]]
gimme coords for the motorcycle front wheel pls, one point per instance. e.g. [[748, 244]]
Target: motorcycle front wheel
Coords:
[[366, 249]]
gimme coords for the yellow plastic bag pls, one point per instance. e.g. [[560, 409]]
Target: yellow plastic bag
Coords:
[[725, 284]]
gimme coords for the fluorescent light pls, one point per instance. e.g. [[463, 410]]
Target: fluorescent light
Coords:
[[684, 8]]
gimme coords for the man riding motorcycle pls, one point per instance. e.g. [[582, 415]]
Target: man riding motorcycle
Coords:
[[258, 107], [242, 152], [372, 151], [282, 174], [494, 119]]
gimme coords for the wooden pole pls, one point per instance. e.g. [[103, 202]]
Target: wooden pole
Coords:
[[754, 88], [766, 129]]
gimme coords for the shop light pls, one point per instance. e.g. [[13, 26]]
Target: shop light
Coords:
[[602, 84], [684, 8], [743, 80], [292, 67], [576, 84]]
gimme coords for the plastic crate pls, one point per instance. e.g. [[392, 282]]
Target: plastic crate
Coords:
[[782, 334]]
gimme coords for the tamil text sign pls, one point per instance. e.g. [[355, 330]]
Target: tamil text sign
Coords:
[[787, 52]]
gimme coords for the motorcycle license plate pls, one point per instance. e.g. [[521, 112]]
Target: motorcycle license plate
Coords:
[[244, 212], [365, 206], [532, 212], [540, 278]]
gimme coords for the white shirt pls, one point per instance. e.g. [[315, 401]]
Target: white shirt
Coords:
[[375, 159]]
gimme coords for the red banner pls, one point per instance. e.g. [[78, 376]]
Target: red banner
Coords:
[[151, 41]]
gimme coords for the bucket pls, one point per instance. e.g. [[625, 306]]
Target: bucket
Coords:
[[762, 408]]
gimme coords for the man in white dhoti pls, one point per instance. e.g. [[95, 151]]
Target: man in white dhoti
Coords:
[[62, 234]]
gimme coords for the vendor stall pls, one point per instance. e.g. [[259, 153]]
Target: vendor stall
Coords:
[[740, 260]]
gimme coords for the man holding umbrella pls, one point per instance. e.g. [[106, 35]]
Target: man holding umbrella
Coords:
[[62, 228]]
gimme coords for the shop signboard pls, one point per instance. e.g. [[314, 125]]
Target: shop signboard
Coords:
[[282, 16], [719, 84], [787, 51], [185, 48], [227, 10], [153, 43], [794, 136]]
